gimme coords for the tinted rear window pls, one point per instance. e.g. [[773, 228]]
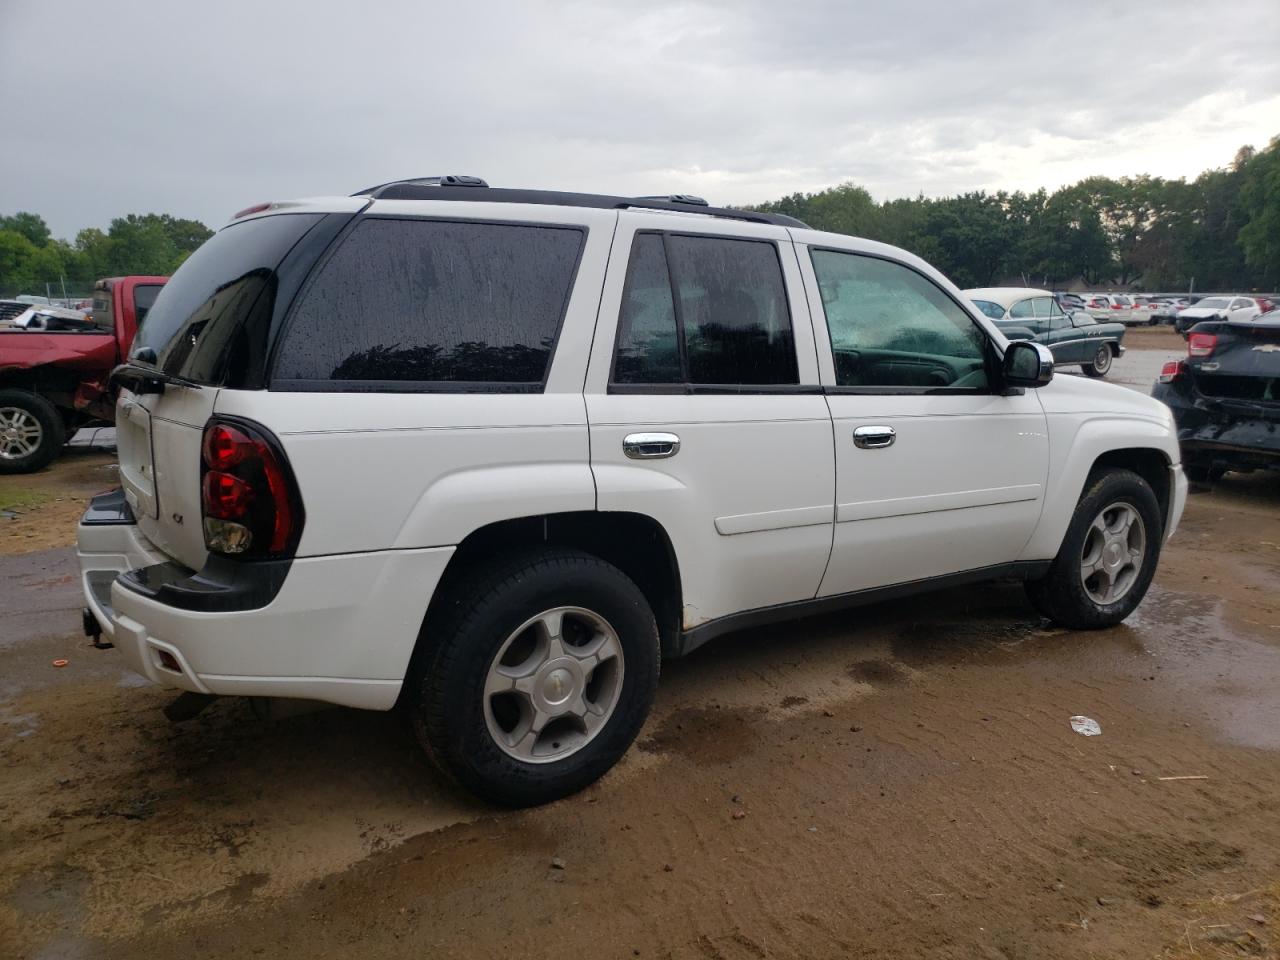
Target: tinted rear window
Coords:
[[422, 302], [199, 321]]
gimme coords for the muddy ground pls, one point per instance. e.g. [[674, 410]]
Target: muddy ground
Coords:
[[899, 781]]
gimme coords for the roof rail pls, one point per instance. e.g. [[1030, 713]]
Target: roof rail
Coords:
[[477, 191], [679, 198], [448, 180]]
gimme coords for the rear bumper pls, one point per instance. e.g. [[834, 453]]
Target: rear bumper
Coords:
[[340, 628]]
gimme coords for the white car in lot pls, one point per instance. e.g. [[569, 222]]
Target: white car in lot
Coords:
[[492, 454], [1111, 306], [1219, 308]]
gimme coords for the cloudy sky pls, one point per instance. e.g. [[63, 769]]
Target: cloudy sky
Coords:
[[200, 108]]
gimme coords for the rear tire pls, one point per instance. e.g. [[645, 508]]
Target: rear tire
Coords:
[[1100, 364], [31, 432], [1097, 539], [504, 699]]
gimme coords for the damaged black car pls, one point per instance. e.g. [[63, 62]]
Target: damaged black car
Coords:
[[1225, 396]]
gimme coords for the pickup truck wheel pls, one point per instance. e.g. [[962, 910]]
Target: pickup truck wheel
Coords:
[[1108, 557], [31, 432], [539, 676], [1100, 363]]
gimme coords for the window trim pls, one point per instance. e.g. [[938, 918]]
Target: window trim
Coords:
[[276, 383], [687, 387], [990, 354]]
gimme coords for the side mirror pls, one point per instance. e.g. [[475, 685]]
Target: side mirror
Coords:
[[1027, 364]]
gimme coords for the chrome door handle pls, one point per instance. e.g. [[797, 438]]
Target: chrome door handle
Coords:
[[869, 438], [650, 446]]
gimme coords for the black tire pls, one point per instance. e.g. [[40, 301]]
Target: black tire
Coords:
[[1101, 363], [1061, 594], [445, 695], [52, 431]]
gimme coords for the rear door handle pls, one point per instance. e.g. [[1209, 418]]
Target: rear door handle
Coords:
[[650, 446], [869, 438]]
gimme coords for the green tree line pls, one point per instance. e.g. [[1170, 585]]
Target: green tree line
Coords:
[[1142, 233], [147, 244], [1145, 233]]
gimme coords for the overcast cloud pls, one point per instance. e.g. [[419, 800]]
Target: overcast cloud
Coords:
[[200, 108]]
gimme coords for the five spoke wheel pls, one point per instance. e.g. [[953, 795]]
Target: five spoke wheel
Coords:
[[553, 684], [1114, 548]]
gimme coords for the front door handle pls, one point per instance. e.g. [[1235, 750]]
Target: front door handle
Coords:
[[869, 438], [650, 446]]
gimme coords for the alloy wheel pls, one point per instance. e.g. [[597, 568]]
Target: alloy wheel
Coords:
[[553, 684], [20, 433], [1114, 549]]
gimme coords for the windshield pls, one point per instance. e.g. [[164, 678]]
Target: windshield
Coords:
[[992, 310], [1212, 303], [224, 290]]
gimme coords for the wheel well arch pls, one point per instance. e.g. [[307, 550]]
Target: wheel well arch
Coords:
[[1150, 464], [635, 543]]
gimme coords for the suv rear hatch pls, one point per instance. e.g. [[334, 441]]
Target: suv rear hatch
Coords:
[[209, 329], [1240, 371]]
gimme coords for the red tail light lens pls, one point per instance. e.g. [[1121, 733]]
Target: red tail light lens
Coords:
[[1201, 344], [1172, 370], [249, 498]]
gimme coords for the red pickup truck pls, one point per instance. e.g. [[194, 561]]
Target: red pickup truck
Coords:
[[54, 374]]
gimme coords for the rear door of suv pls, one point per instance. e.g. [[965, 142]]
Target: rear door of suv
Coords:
[[705, 409]]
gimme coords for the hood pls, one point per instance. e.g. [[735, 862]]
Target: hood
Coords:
[[1204, 312]]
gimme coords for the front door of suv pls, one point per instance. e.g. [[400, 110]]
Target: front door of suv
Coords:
[[936, 472], [705, 410]]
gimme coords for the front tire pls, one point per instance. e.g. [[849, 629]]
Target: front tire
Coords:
[[1108, 556], [31, 432], [537, 677], [1100, 364]]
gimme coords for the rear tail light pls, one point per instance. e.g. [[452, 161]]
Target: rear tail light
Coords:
[[1116, 306], [248, 496], [1173, 370], [1201, 344]]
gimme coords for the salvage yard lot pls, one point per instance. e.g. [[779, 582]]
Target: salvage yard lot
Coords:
[[897, 781]]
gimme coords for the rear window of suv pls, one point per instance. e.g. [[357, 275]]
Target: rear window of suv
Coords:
[[212, 316], [406, 304]]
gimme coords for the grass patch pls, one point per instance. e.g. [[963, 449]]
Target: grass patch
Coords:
[[22, 499]]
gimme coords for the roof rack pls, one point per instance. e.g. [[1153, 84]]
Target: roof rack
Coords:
[[464, 188]]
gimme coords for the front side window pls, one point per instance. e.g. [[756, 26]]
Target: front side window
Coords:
[[405, 302], [700, 310], [893, 328]]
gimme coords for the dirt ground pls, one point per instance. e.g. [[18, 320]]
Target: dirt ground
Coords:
[[899, 781]]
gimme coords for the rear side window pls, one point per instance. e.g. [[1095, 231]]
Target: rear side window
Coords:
[[702, 310], [210, 318], [144, 298], [101, 312], [406, 304]]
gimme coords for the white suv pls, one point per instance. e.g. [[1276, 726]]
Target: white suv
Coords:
[[490, 454]]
